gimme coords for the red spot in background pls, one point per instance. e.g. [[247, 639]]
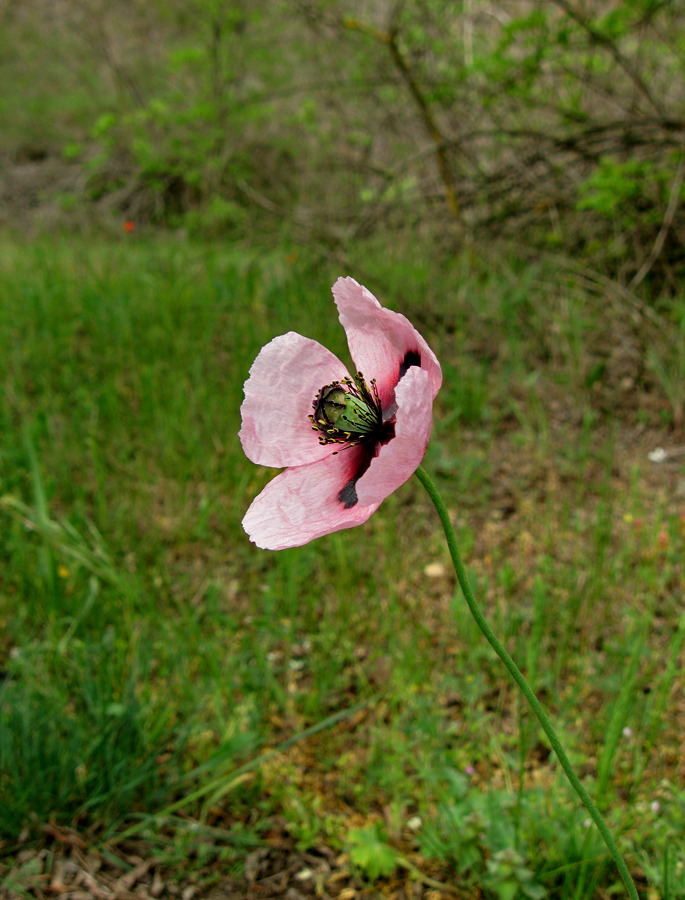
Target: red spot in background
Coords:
[[129, 227]]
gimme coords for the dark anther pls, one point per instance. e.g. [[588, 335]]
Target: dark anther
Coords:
[[411, 359]]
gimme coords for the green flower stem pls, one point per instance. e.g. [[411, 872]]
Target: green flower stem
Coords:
[[527, 691]]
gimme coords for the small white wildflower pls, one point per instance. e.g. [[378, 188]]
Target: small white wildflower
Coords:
[[655, 807], [657, 455], [627, 731], [414, 823]]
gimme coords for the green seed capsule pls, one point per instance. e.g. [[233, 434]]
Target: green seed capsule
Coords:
[[347, 412], [359, 417], [332, 405]]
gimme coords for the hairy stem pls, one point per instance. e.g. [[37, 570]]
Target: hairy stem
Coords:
[[525, 688]]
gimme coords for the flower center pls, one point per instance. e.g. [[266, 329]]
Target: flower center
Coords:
[[347, 411]]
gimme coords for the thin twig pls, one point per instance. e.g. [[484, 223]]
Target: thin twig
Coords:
[[605, 41], [673, 200]]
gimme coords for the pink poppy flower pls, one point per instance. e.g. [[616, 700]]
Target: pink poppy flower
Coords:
[[348, 441]]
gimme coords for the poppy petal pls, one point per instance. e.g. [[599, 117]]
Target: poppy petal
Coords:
[[283, 382], [384, 344], [399, 458], [306, 502]]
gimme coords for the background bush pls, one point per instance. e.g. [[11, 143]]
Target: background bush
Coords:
[[557, 124]]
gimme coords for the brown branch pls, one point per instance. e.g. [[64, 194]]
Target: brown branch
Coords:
[[389, 39], [665, 225]]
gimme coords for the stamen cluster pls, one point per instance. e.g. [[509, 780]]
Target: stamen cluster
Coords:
[[347, 411]]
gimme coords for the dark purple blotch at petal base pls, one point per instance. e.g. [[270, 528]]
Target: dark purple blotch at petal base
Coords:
[[411, 359], [348, 494]]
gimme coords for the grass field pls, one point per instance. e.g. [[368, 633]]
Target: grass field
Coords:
[[161, 674]]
